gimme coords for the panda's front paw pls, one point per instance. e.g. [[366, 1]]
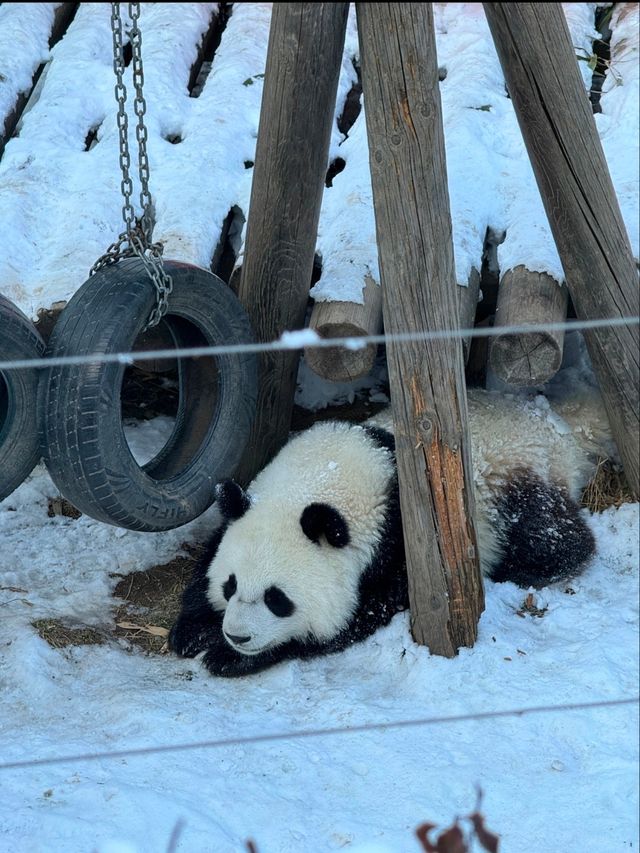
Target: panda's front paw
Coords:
[[189, 636], [224, 661]]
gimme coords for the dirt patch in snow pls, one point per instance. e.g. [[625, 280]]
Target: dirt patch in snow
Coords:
[[150, 601]]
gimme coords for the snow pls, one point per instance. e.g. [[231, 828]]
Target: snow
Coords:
[[620, 116], [556, 780]]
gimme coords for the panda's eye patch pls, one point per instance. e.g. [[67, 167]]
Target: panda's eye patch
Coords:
[[278, 603], [229, 587]]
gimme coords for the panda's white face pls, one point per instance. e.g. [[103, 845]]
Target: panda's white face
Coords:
[[275, 584]]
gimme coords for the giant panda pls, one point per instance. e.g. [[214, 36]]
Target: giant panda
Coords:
[[310, 558]]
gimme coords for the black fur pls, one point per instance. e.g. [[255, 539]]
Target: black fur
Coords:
[[232, 500], [198, 626], [382, 437], [544, 536], [319, 519]]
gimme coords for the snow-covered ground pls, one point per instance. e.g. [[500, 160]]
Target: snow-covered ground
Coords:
[[564, 780]]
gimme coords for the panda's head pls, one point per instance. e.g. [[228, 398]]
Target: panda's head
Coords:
[[289, 563]]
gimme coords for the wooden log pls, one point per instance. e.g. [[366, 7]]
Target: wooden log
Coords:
[[62, 18], [555, 116], [467, 298], [304, 55], [346, 319], [413, 226], [528, 297]]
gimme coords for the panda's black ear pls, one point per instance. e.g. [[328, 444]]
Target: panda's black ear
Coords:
[[321, 519], [232, 500]]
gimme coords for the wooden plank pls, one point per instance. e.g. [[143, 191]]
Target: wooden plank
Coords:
[[306, 42], [346, 319], [528, 297], [413, 225], [555, 116]]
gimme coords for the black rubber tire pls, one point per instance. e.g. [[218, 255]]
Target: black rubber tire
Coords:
[[83, 442], [19, 448]]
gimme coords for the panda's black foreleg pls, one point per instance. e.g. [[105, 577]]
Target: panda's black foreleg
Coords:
[[198, 626], [544, 537]]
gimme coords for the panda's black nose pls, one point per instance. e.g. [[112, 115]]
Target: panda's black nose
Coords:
[[239, 641]]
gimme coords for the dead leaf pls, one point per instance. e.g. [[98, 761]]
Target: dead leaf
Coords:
[[156, 630], [450, 841], [489, 840]]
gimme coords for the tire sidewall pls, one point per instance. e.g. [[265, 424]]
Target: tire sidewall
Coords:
[[133, 498]]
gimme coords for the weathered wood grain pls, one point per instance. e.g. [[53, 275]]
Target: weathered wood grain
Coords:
[[555, 116], [528, 297], [305, 48], [413, 225]]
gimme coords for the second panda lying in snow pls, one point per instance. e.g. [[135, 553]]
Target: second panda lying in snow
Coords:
[[310, 559]]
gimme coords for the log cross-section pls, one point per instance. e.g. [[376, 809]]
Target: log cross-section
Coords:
[[344, 320], [528, 298], [304, 54], [555, 116], [413, 227]]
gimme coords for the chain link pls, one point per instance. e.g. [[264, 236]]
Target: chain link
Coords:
[[135, 240]]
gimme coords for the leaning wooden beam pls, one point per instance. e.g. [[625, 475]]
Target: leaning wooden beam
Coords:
[[554, 112], [413, 226], [526, 297], [304, 55], [341, 320]]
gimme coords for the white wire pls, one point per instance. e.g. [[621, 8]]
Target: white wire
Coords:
[[309, 340]]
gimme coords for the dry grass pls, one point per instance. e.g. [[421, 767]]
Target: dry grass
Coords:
[[59, 635], [608, 487], [61, 506], [151, 602]]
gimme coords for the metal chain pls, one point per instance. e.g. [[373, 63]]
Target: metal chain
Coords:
[[135, 240]]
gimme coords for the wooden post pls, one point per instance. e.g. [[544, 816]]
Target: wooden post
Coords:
[[342, 320], [555, 116], [413, 225], [528, 297], [306, 42]]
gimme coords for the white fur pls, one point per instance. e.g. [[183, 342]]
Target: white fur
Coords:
[[333, 463]]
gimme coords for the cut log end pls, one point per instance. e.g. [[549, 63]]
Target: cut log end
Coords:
[[346, 320], [528, 298], [526, 359], [340, 364]]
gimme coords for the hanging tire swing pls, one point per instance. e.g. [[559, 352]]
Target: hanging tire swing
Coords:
[[19, 449], [83, 440], [131, 289]]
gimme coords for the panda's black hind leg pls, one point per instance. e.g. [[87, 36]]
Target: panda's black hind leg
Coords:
[[544, 537]]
